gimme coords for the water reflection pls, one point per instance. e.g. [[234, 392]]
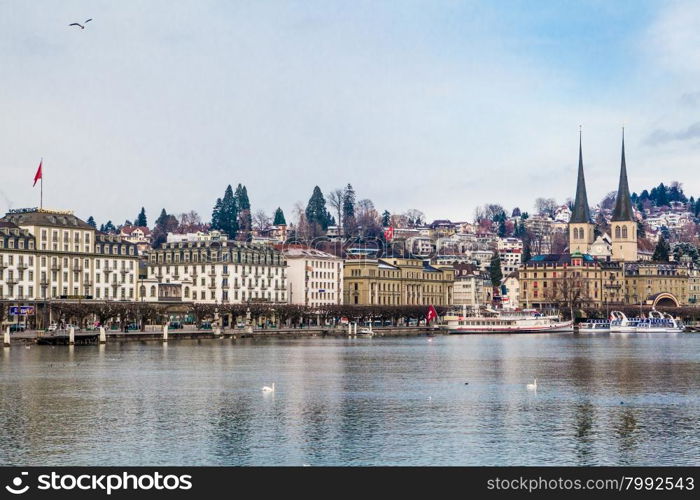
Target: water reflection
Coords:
[[455, 400]]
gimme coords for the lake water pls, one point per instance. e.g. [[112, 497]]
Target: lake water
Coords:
[[601, 400]]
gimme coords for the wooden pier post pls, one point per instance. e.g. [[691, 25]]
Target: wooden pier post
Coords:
[[103, 335], [6, 339], [165, 333], [217, 332], [71, 336]]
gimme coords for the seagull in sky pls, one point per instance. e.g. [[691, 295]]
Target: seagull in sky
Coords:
[[82, 26]]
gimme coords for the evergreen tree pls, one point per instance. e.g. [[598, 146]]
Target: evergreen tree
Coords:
[[386, 219], [228, 221], [641, 232], [349, 202], [527, 253], [91, 221], [279, 218], [216, 215], [316, 212], [495, 270], [109, 228], [243, 204], [502, 230], [141, 220], [662, 251]]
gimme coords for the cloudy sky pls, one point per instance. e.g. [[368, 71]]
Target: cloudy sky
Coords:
[[440, 106]]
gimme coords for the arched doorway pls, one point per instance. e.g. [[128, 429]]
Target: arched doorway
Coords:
[[664, 299]]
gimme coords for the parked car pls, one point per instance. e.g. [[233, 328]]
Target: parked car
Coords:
[[52, 327], [240, 325], [175, 325], [132, 326], [204, 325], [75, 327], [15, 327]]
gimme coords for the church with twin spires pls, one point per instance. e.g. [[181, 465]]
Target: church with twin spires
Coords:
[[623, 226], [550, 280]]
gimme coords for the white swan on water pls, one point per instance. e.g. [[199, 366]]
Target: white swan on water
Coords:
[[267, 388], [532, 387]]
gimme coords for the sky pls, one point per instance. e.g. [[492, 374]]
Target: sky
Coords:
[[439, 106]]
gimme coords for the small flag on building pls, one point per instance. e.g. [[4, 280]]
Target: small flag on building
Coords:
[[431, 314], [389, 233], [38, 176]]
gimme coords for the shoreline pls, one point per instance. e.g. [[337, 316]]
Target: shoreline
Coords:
[[91, 337]]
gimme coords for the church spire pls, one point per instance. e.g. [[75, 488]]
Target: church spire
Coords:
[[582, 212], [623, 203]]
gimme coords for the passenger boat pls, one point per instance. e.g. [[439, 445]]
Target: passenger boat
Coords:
[[528, 321], [657, 322], [594, 326]]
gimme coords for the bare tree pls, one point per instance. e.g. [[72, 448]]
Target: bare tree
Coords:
[[261, 222], [546, 206], [568, 291], [335, 200]]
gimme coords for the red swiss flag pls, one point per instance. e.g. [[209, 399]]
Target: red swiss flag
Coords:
[[389, 233], [38, 173], [431, 314]]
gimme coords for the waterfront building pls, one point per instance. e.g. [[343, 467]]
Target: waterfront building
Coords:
[[50, 255], [315, 278], [610, 270], [472, 287], [214, 271], [510, 298], [396, 281]]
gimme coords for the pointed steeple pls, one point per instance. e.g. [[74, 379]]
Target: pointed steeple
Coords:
[[582, 212], [623, 203]]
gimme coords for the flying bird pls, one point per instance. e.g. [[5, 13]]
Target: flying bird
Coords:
[[82, 26]]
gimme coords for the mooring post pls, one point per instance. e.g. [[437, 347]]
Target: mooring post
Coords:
[[165, 333], [6, 339], [71, 336], [103, 335], [217, 332]]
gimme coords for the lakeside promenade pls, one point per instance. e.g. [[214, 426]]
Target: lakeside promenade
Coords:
[[155, 333]]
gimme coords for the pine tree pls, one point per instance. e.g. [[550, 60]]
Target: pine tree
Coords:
[[527, 253], [91, 221], [279, 218], [349, 202], [662, 251], [495, 270], [229, 213], [243, 204], [216, 215], [502, 230], [141, 220], [316, 212], [386, 218]]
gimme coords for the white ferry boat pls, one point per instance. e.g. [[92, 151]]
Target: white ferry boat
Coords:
[[528, 321], [594, 326], [657, 322]]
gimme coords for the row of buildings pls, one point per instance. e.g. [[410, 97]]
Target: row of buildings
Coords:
[[49, 255]]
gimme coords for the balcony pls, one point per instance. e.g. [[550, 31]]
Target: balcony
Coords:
[[55, 267], [44, 283], [11, 281], [78, 268], [212, 285], [87, 283], [21, 266], [211, 274], [3, 266], [107, 270], [124, 271], [225, 273]]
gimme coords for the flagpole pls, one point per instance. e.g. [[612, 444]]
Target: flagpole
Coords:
[[41, 188]]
